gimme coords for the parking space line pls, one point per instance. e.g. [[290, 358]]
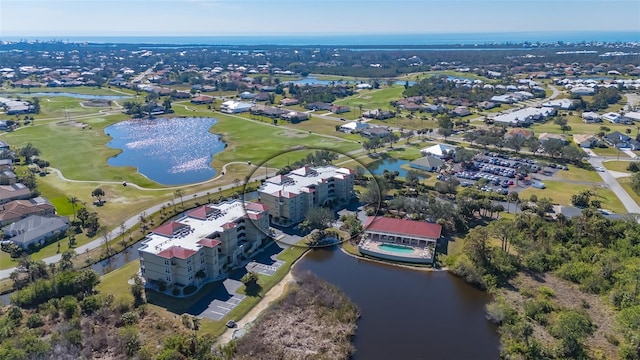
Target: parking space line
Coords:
[[220, 306], [217, 313]]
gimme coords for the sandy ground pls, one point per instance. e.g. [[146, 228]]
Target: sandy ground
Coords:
[[273, 294]]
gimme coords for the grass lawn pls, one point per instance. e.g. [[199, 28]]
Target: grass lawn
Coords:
[[74, 90], [579, 174], [626, 184], [372, 99], [561, 192], [609, 152], [408, 153], [620, 166], [115, 282], [254, 141]]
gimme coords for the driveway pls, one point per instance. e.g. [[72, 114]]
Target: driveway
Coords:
[[614, 185]]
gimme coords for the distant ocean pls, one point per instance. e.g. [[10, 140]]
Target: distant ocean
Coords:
[[356, 40]]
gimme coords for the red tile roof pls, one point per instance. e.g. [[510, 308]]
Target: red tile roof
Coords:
[[168, 229], [229, 225], [201, 212], [403, 227], [210, 243], [177, 252], [253, 216], [254, 206]]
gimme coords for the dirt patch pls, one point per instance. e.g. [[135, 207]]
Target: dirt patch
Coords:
[[293, 134], [568, 296]]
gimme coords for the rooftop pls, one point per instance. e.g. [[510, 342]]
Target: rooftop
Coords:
[[300, 180], [191, 232], [413, 228]]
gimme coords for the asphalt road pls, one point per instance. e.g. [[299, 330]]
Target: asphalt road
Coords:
[[614, 185]]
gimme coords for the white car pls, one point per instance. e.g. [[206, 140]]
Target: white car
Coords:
[[600, 169]]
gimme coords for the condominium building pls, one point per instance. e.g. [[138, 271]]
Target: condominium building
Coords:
[[289, 197], [203, 244]]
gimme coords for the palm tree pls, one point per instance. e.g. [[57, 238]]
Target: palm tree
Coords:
[[179, 194], [73, 201]]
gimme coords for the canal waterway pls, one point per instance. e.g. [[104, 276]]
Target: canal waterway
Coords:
[[406, 313]]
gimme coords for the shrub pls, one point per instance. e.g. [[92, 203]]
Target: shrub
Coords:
[[90, 304], [538, 310], [34, 321], [546, 292], [74, 337], [129, 318], [175, 291], [69, 306]]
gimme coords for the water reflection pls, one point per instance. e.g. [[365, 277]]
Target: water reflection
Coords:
[[168, 151], [406, 313]]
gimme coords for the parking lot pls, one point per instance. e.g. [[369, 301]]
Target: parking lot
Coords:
[[501, 174], [264, 269]]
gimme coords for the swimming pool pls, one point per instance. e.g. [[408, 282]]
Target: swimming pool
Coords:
[[395, 248]]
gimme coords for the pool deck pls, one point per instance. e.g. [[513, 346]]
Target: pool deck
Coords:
[[420, 255]]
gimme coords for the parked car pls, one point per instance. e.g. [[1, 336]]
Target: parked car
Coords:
[[231, 324]]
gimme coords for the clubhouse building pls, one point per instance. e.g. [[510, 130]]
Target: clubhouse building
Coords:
[[400, 240], [204, 244], [289, 197]]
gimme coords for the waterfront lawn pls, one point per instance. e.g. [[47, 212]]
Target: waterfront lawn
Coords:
[[561, 192], [116, 282], [79, 154], [253, 141]]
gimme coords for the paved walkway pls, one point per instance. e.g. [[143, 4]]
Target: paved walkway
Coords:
[[614, 185]]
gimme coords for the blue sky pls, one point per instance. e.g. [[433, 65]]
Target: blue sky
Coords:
[[304, 17]]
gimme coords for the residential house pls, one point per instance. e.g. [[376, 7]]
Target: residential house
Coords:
[[582, 91], [591, 117], [519, 132], [339, 109], [363, 86], [621, 141], [375, 132], [204, 244], [12, 192], [633, 116], [378, 114], [289, 197], [202, 99], [613, 117], [295, 116], [19, 209], [8, 177], [547, 136], [524, 117], [427, 163], [6, 164], [35, 230], [354, 127], [585, 141], [461, 111], [262, 96], [486, 105], [440, 150], [504, 99], [564, 104], [289, 102], [234, 107], [247, 95], [318, 106]]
